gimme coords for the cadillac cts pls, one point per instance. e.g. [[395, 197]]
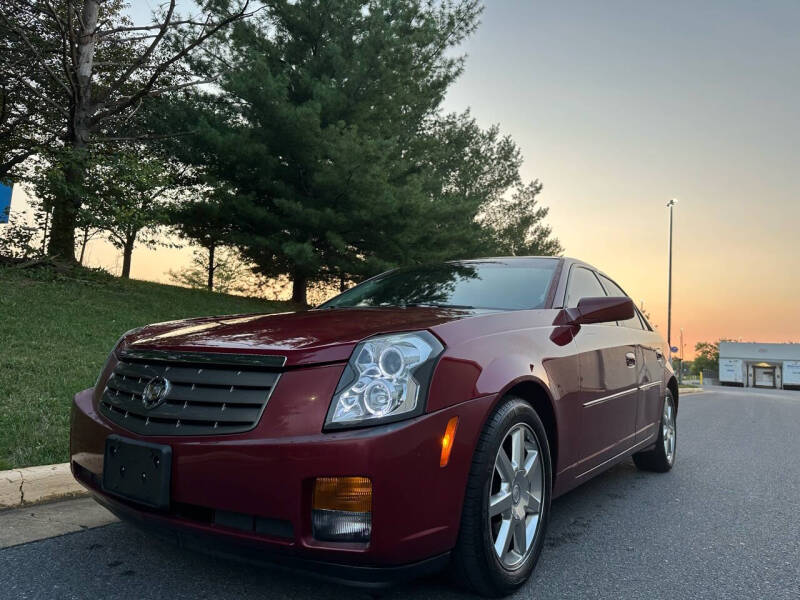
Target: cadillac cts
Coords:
[[424, 418]]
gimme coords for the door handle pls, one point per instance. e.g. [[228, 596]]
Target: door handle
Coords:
[[660, 355], [630, 359]]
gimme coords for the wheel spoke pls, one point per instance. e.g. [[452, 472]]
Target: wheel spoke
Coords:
[[500, 502], [520, 536], [534, 504], [518, 448], [530, 463], [504, 467], [531, 522], [503, 538]]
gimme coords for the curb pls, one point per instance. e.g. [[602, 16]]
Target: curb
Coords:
[[35, 485]]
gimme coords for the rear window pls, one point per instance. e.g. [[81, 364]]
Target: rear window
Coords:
[[501, 285]]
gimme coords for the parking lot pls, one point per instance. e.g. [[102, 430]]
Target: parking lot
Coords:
[[723, 524]]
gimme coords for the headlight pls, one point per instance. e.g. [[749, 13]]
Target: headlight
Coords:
[[385, 380]]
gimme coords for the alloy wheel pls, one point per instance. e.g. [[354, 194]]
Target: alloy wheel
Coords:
[[668, 429], [516, 496]]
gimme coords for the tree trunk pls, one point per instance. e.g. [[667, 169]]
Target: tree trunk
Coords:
[[299, 285], [127, 254], [211, 267], [65, 207], [44, 233], [65, 215], [83, 245]]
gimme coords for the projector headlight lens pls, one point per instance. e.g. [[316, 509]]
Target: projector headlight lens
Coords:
[[385, 380]]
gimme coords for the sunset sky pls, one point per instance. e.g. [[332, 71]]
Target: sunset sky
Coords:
[[620, 106]]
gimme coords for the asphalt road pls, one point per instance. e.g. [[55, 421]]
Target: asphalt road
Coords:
[[725, 523]]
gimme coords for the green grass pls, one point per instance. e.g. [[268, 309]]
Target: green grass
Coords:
[[56, 330]]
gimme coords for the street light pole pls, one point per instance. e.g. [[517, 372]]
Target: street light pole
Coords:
[[670, 204]]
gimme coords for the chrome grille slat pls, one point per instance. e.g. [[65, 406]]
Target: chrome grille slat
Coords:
[[205, 374], [170, 428], [206, 399], [200, 395], [127, 386], [195, 412]]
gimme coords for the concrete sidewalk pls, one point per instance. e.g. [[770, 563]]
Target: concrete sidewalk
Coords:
[[23, 525]]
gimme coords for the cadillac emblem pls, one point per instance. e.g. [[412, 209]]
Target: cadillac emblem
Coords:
[[155, 392]]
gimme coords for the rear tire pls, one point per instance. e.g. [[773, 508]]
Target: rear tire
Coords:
[[507, 502], [662, 457]]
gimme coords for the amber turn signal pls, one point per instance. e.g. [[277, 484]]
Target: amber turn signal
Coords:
[[351, 494], [447, 441]]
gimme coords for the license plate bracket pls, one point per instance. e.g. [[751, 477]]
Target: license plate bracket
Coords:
[[138, 471]]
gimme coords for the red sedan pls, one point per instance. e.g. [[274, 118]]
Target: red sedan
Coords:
[[424, 418]]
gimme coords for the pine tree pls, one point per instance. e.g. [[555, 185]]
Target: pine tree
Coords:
[[312, 129], [515, 222]]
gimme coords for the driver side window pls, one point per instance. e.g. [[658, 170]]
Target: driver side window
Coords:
[[614, 290], [583, 283]]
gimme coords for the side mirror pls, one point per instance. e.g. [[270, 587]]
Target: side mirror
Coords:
[[601, 309]]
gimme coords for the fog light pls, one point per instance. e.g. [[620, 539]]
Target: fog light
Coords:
[[342, 509]]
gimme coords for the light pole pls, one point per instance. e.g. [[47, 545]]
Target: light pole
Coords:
[[671, 205]]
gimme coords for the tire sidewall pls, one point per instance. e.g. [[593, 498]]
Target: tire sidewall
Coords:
[[518, 411]]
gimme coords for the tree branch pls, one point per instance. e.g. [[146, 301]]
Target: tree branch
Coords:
[[21, 34], [140, 138], [65, 42], [61, 110], [147, 87], [114, 87]]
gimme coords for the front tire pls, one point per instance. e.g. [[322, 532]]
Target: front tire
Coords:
[[662, 457], [507, 502]]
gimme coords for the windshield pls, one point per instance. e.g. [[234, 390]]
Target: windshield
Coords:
[[517, 284]]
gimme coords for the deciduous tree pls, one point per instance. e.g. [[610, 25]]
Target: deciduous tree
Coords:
[[203, 219], [127, 197], [89, 65], [706, 356], [227, 274]]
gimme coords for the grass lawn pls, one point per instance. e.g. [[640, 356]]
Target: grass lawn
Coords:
[[56, 331]]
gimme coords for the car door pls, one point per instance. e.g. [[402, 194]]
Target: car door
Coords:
[[607, 361], [649, 368]]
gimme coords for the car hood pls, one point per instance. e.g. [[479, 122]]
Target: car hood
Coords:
[[309, 337]]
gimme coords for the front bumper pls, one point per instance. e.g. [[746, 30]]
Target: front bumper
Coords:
[[251, 492], [258, 553]]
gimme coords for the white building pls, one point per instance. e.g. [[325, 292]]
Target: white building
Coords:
[[760, 365]]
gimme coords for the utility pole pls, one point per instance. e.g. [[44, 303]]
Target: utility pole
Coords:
[[671, 205], [680, 374]]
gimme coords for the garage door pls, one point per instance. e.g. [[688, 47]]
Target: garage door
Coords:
[[765, 377]]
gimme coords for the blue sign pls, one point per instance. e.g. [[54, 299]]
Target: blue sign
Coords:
[[5, 202]]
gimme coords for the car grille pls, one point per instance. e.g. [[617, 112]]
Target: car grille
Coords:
[[204, 398]]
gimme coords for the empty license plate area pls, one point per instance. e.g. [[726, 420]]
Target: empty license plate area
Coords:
[[138, 471]]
